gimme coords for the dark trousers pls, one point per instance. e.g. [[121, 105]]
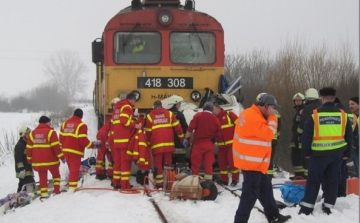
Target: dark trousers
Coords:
[[26, 180], [256, 185], [355, 158], [270, 171], [326, 170], [343, 179]]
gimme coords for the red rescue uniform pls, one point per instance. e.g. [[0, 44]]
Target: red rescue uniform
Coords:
[[73, 138], [160, 127], [123, 129], [227, 121], [207, 130], [104, 151], [43, 151]]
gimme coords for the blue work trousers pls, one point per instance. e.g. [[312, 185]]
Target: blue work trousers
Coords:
[[326, 170], [256, 185]]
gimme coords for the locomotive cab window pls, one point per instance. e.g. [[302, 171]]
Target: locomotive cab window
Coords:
[[192, 48], [137, 47]]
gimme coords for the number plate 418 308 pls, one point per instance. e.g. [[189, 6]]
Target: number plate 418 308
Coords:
[[165, 82]]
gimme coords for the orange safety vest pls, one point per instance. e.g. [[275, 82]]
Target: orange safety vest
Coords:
[[252, 140]]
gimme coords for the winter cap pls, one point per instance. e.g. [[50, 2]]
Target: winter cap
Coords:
[[44, 119], [268, 99], [78, 113], [327, 91], [355, 99]]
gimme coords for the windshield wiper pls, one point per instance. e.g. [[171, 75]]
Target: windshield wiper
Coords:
[[201, 42], [125, 42]]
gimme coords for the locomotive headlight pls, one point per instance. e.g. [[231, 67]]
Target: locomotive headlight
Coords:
[[137, 94], [165, 18], [122, 95], [195, 96]]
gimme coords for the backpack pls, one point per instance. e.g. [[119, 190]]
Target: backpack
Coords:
[[292, 193]]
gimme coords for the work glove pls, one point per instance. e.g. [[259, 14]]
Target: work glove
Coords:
[[63, 161], [185, 143], [136, 112], [22, 174]]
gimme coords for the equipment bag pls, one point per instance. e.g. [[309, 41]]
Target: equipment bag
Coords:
[[188, 187], [292, 193]]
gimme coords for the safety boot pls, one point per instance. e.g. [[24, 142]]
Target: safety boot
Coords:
[[279, 218], [221, 182], [234, 183], [100, 176], [326, 210]]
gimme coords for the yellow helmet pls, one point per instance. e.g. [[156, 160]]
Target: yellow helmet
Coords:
[[115, 100], [299, 96], [23, 130]]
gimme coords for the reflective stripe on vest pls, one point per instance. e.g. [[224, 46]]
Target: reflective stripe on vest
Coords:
[[352, 118], [277, 134], [329, 130], [229, 122], [250, 158]]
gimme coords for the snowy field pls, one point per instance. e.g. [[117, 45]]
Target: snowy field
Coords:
[[112, 206]]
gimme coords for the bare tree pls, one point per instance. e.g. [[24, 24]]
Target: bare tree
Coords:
[[294, 68], [66, 70]]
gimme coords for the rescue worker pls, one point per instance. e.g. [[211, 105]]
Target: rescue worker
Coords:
[[103, 153], [354, 108], [123, 128], [116, 175], [326, 140], [179, 156], [73, 138], [159, 128], [295, 145], [207, 130], [311, 102], [344, 169], [23, 169], [43, 152], [254, 131], [227, 121], [274, 141]]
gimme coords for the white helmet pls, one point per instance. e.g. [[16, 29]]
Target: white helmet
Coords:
[[311, 93], [299, 96], [259, 96], [115, 100], [23, 130], [174, 99]]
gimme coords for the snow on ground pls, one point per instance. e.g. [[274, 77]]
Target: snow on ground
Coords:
[[112, 206]]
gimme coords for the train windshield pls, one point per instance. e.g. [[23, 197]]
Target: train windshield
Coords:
[[192, 48], [137, 48]]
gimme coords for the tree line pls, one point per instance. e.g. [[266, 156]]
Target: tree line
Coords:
[[65, 80], [294, 68]]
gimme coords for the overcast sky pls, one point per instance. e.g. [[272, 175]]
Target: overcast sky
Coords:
[[30, 31]]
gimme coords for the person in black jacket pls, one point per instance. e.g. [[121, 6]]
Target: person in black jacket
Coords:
[[295, 145], [312, 102], [23, 169], [179, 156]]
